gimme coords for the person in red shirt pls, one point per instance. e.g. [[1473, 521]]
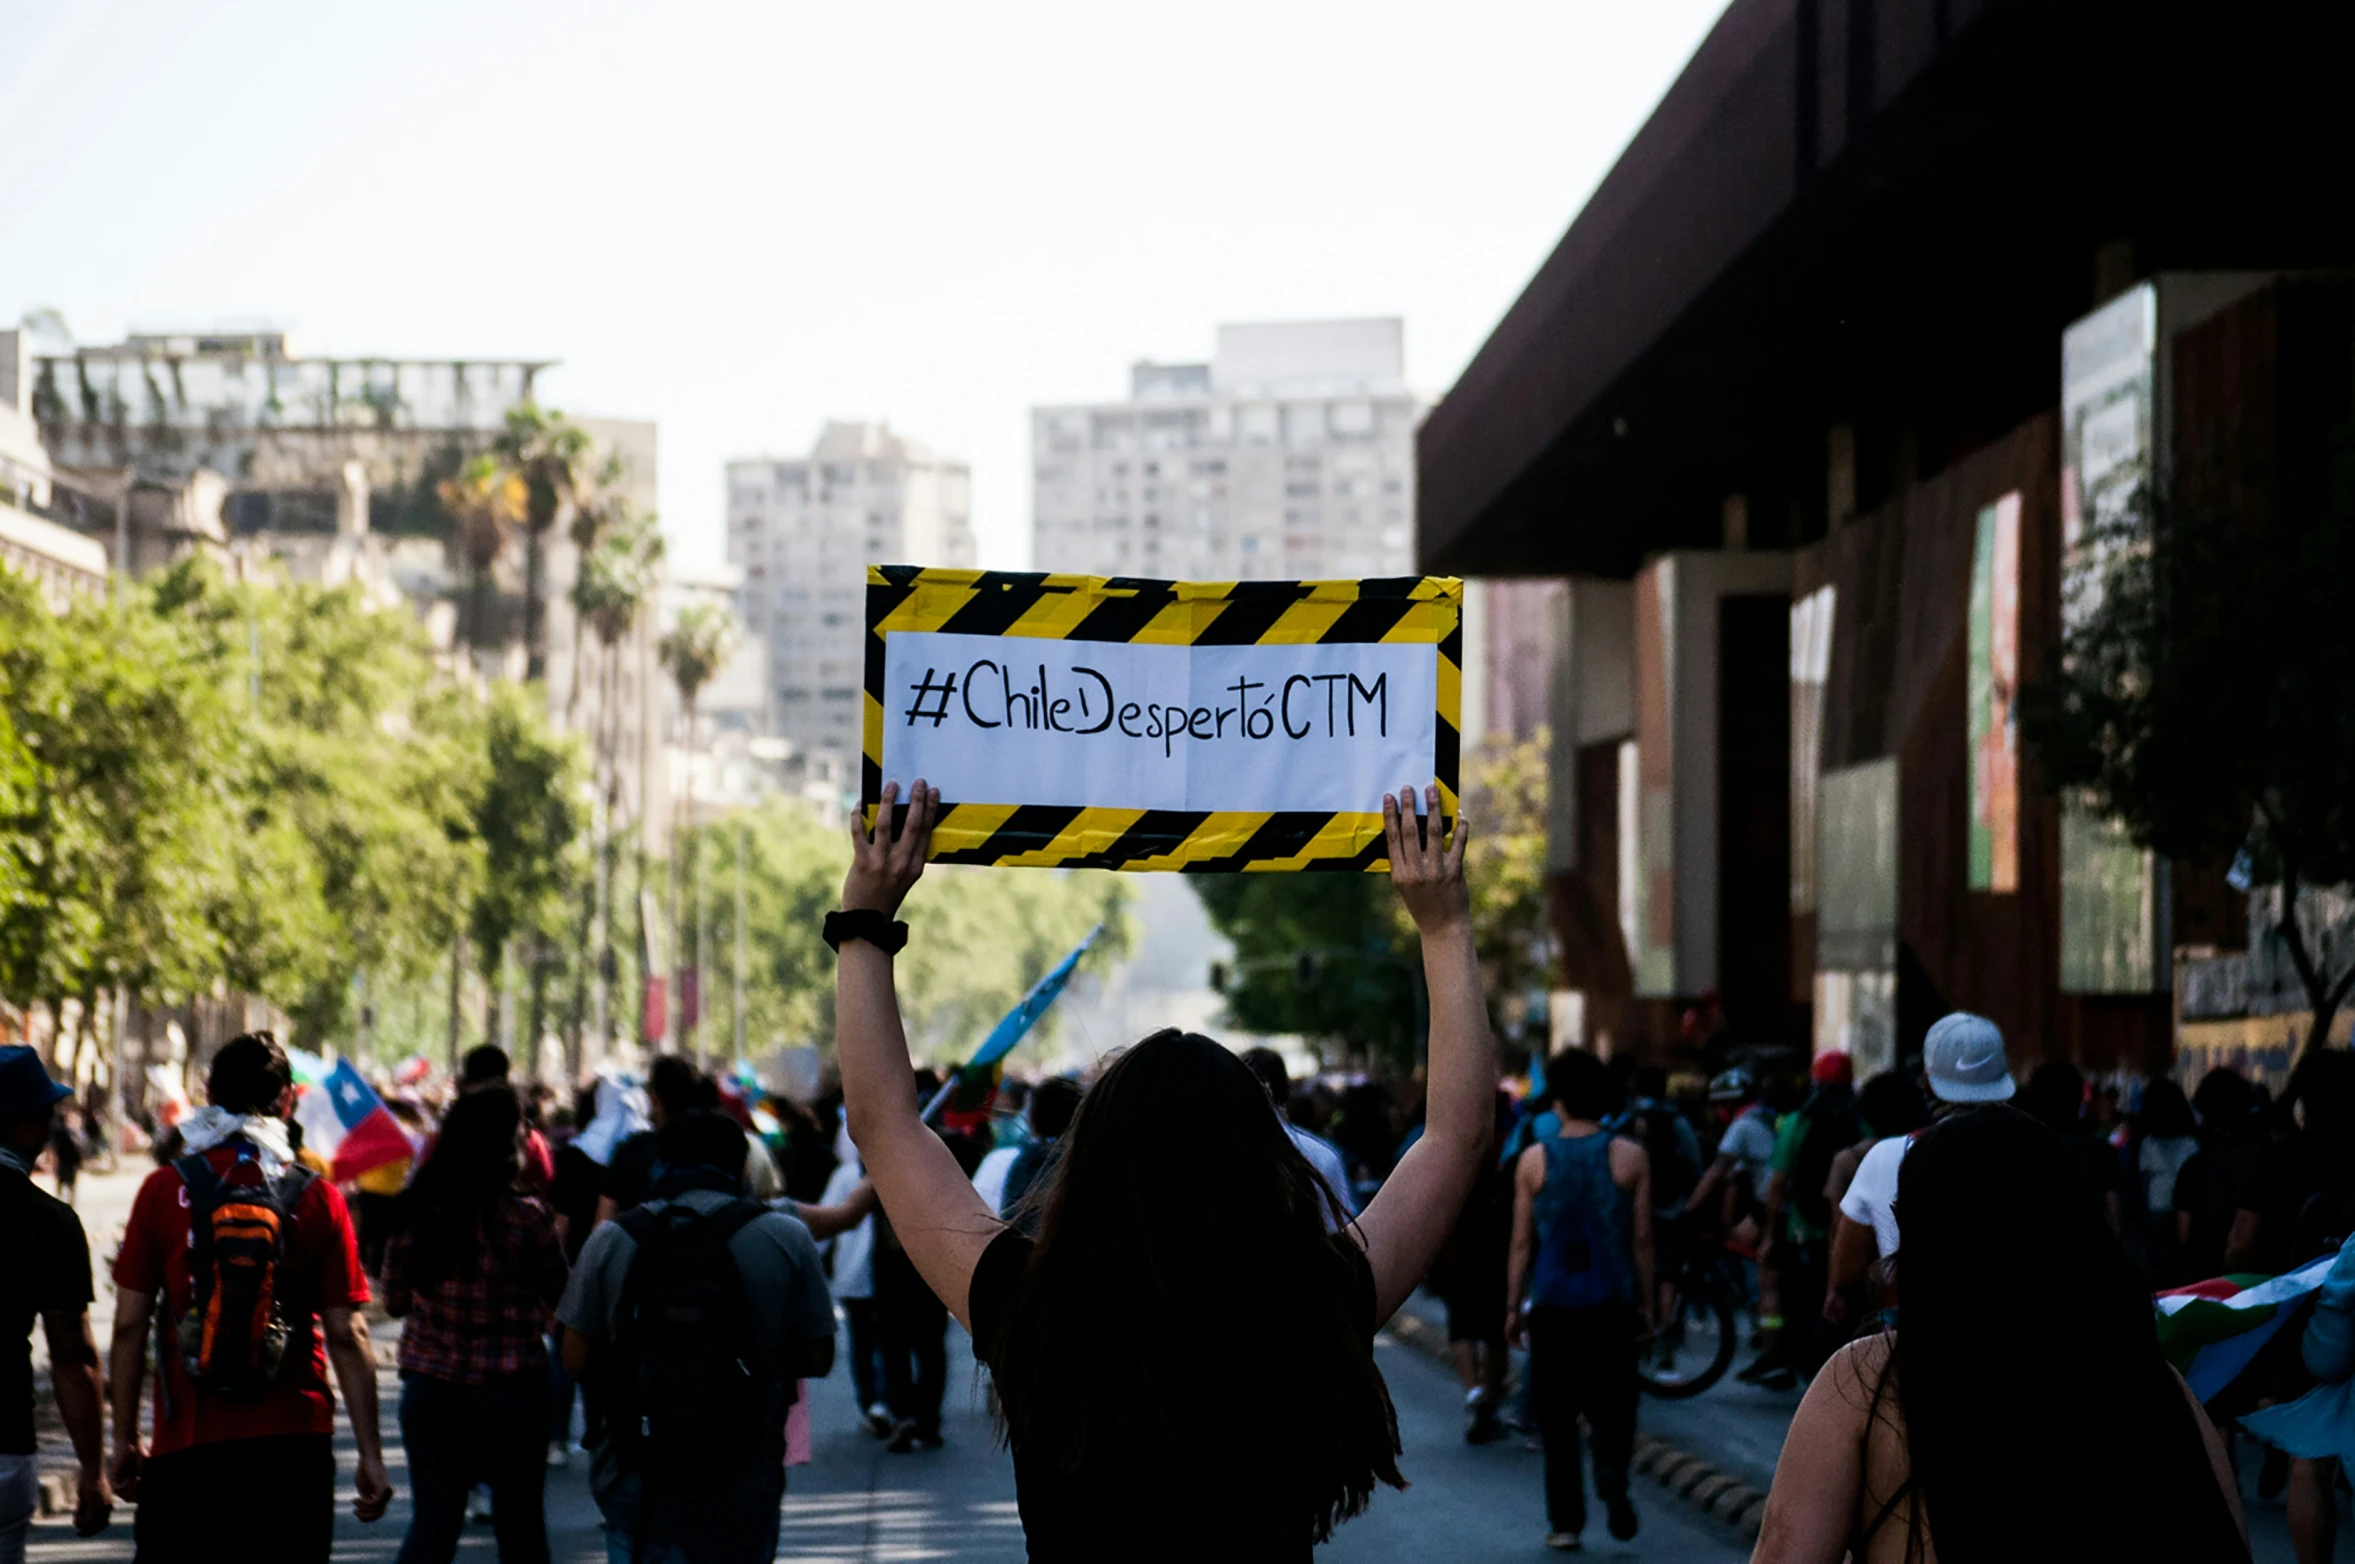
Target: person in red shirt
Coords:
[[251, 1475]]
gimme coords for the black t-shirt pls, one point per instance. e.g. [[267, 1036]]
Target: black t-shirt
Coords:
[[2301, 1188], [1083, 1518], [47, 1271]]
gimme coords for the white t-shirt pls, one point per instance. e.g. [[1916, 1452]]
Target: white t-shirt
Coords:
[[1326, 1161], [1749, 1140], [1872, 1194], [990, 1177], [853, 1250]]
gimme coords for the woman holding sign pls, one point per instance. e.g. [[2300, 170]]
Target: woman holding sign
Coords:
[[1184, 1354]]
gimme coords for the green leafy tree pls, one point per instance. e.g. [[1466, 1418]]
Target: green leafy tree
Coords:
[[2205, 691], [527, 816], [1334, 958]]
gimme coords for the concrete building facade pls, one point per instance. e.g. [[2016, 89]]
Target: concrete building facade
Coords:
[[804, 531], [1289, 455]]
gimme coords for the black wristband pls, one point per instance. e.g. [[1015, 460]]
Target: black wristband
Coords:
[[877, 929]]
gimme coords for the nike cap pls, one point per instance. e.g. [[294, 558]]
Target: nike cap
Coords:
[[1964, 1058]]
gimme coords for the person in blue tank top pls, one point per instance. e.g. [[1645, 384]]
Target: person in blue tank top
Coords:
[[1579, 1289]]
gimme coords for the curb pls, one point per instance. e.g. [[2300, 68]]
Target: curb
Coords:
[[57, 1494], [1686, 1477]]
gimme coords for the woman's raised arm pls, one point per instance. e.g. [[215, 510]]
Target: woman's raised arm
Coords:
[[1419, 1203], [940, 1218]]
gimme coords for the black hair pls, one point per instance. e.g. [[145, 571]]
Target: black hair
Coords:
[[484, 1065], [1581, 1085], [447, 1206], [1891, 1104], [1052, 1104], [2054, 1094], [1190, 1316], [1273, 1074], [1987, 1198], [2164, 1111], [2222, 1100], [2324, 1090], [703, 1138], [249, 1074], [674, 1082], [1650, 1080]]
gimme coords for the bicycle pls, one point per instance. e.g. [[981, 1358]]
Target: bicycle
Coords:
[[1698, 1332]]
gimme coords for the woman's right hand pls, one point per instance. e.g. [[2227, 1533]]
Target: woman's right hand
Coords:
[[1429, 873], [882, 871]]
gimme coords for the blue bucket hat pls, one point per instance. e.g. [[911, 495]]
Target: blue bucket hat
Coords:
[[25, 1087]]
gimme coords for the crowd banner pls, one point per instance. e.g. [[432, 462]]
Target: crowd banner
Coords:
[[1086, 722]]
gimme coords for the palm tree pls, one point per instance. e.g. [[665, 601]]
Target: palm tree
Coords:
[[598, 504], [485, 500], [551, 454], [694, 651], [617, 579]]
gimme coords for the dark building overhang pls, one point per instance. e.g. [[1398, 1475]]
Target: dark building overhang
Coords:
[[1876, 213]]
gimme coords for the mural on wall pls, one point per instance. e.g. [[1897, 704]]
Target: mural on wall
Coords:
[[1811, 666], [2109, 886], [1992, 700]]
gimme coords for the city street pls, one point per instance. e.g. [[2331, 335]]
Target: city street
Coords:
[[858, 1503]]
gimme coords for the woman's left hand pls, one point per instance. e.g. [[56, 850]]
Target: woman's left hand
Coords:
[[883, 870]]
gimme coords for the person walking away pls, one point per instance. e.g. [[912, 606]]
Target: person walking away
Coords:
[[1469, 1277], [694, 1315], [851, 1254], [2055, 1093], [257, 1269], [1798, 1219], [2170, 1139], [1183, 1358], [1579, 1290], [1052, 1104], [475, 1268], [1889, 1106], [2208, 1187], [1912, 1445], [46, 1278], [65, 1151], [488, 1066], [673, 1087], [913, 1324], [1963, 1057], [572, 1196], [1321, 1153]]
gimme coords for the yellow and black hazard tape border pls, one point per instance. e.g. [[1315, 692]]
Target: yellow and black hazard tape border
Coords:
[[903, 598]]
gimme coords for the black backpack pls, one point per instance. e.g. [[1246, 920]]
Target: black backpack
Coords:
[[686, 1391], [234, 1337]]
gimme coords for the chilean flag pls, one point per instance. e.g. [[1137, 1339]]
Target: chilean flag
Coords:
[[345, 1121]]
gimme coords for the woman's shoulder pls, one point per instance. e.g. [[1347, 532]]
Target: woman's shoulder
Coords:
[[1855, 1379]]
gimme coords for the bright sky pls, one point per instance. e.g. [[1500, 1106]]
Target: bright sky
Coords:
[[741, 220]]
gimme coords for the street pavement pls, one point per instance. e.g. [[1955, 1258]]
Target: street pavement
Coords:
[[858, 1504]]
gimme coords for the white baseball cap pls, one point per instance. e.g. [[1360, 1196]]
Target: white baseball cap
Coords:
[[1965, 1060]]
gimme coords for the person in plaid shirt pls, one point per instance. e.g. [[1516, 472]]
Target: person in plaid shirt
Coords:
[[475, 1270]]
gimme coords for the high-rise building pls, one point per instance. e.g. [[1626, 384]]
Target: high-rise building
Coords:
[[1290, 454], [805, 530]]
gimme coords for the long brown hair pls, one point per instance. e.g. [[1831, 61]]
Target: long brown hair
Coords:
[[1195, 1311]]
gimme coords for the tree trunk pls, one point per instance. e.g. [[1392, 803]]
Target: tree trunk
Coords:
[[457, 996], [2324, 995], [535, 591]]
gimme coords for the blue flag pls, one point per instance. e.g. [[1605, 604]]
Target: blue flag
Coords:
[[1017, 1024]]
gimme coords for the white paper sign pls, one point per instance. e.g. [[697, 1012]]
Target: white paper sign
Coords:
[[990, 719]]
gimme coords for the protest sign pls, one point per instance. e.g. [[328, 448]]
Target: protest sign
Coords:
[[1080, 722]]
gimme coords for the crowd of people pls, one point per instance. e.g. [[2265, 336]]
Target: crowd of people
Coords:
[[1173, 1271]]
